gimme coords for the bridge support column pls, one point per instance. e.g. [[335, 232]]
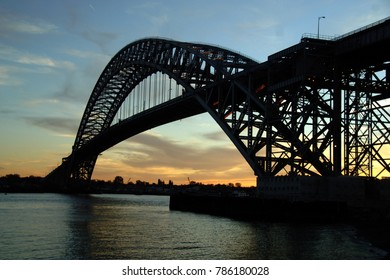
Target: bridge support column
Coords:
[[259, 185], [337, 130]]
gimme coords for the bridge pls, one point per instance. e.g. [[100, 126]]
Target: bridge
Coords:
[[317, 108]]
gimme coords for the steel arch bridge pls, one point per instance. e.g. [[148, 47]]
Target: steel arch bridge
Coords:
[[318, 108]]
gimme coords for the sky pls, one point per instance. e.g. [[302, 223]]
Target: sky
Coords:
[[52, 53]]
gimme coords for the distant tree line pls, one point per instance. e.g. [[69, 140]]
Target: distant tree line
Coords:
[[118, 180], [16, 183]]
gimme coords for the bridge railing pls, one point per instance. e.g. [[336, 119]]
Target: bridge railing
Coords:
[[338, 37], [361, 29], [318, 36]]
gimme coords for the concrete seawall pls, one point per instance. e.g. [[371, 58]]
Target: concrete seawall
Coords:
[[342, 199], [257, 208]]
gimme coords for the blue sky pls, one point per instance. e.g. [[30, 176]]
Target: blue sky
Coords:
[[52, 53]]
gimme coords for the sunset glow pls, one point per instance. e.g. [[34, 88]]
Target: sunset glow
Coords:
[[52, 53]]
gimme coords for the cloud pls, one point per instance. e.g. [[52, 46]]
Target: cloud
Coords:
[[101, 38], [95, 63], [159, 20], [86, 54], [7, 111], [12, 75], [152, 150], [12, 23], [156, 15], [37, 28], [142, 8], [215, 136], [258, 25], [7, 77], [68, 91], [78, 23], [36, 60], [149, 156], [55, 124], [17, 56]]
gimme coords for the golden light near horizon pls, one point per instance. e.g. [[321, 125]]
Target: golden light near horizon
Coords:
[[153, 155]]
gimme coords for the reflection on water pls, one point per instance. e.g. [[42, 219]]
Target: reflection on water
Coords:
[[54, 226]]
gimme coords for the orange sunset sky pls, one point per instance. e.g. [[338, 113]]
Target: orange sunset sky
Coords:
[[52, 53]]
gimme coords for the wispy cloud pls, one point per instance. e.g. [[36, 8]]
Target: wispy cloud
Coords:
[[149, 156], [70, 91], [101, 38], [55, 124], [156, 14], [86, 54], [258, 25], [14, 74], [12, 23], [36, 60], [17, 56], [216, 136], [169, 153], [7, 77], [144, 6], [7, 111], [159, 19], [78, 24]]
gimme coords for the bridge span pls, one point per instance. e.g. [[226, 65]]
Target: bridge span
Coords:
[[318, 108]]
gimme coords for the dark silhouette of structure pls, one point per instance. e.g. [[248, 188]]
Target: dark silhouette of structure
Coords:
[[318, 108]]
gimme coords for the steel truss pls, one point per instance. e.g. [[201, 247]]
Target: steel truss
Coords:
[[304, 114], [367, 121], [311, 109], [190, 65]]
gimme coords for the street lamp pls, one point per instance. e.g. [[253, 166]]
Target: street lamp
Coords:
[[318, 27]]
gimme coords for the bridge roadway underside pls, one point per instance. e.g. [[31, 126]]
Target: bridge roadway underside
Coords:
[[174, 110]]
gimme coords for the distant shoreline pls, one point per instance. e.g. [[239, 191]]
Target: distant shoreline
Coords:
[[13, 183]]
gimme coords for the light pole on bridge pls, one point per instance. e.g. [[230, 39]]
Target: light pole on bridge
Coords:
[[318, 27]]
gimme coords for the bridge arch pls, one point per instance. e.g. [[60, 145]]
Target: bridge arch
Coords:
[[191, 65], [310, 109]]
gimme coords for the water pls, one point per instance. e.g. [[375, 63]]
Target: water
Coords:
[[55, 226]]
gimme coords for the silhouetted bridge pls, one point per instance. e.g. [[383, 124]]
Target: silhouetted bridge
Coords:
[[319, 108]]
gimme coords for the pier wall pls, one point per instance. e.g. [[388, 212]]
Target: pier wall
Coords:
[[341, 188], [292, 199]]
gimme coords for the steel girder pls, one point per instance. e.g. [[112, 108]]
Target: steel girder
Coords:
[[278, 115], [273, 130], [308, 111], [311, 109], [367, 121], [191, 65]]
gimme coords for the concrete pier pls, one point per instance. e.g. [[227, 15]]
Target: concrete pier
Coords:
[[331, 199]]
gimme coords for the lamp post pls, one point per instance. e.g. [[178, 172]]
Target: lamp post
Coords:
[[318, 27]]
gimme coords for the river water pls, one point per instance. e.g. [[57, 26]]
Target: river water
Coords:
[[56, 226]]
